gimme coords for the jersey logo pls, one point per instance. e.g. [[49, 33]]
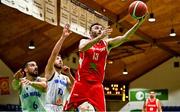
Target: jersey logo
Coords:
[[59, 101], [35, 93], [99, 49], [64, 83], [93, 66]]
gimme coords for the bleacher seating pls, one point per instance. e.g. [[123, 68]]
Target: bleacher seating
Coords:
[[10, 107], [171, 108]]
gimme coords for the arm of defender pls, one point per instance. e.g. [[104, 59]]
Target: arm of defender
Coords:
[[70, 83], [49, 70], [115, 42], [41, 84], [86, 44], [70, 78], [16, 84]]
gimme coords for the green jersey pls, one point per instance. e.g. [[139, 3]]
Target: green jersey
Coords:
[[32, 100]]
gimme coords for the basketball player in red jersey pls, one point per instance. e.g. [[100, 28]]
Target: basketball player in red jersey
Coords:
[[88, 88], [152, 104]]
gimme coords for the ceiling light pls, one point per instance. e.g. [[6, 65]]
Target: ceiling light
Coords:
[[125, 72], [173, 33], [104, 10], [31, 45], [151, 18], [110, 62]]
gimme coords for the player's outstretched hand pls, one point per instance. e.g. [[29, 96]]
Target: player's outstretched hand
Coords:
[[66, 30], [19, 74]]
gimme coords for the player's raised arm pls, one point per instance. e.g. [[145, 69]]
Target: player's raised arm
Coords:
[[16, 84], [139, 11], [117, 41], [49, 70]]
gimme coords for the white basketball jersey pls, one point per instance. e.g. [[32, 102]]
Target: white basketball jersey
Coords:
[[57, 92]]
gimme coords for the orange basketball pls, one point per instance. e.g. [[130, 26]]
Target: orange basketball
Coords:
[[138, 9]]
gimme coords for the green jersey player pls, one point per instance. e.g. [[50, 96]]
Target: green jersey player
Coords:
[[32, 89]]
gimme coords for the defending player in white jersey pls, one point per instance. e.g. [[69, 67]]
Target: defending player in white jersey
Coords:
[[59, 84]]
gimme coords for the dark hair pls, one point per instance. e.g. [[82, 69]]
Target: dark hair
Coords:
[[151, 91], [23, 67], [59, 55], [90, 28], [25, 64]]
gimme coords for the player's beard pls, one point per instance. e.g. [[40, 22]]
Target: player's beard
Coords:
[[58, 67], [95, 34], [34, 73], [151, 96]]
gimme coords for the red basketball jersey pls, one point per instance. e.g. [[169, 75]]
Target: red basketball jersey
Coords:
[[151, 106], [92, 63]]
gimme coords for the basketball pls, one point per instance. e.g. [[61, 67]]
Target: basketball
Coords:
[[138, 9]]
